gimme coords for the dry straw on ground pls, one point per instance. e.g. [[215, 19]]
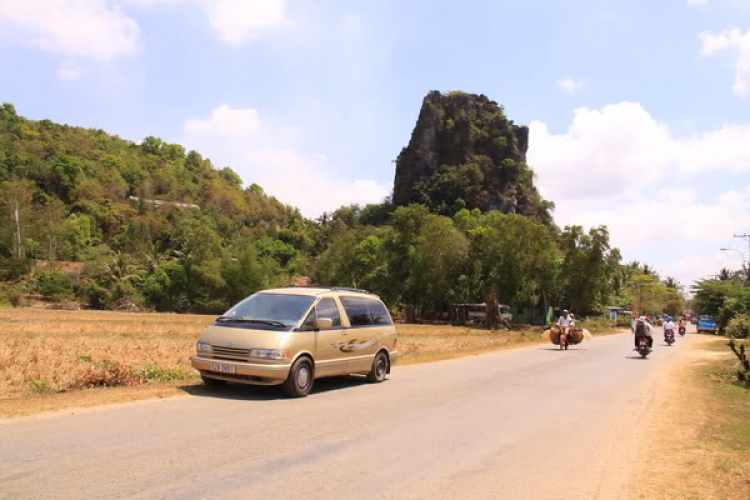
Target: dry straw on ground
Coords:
[[50, 351], [47, 355]]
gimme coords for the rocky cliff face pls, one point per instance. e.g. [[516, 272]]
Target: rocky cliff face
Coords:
[[464, 152]]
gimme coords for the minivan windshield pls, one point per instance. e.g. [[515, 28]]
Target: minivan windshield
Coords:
[[270, 308]]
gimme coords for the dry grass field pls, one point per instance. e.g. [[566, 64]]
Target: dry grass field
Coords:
[[45, 351], [698, 445], [47, 355]]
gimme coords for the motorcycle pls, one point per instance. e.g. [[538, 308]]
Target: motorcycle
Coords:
[[682, 331], [643, 347], [669, 337]]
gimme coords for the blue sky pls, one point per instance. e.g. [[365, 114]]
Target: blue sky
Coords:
[[639, 110]]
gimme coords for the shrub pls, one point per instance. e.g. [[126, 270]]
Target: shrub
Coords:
[[54, 285], [739, 326], [152, 372], [41, 386], [106, 373], [13, 269]]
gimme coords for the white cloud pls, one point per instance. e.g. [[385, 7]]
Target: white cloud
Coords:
[[619, 150], [731, 39], [225, 121], [722, 149], [76, 28], [608, 152], [307, 182], [238, 21], [604, 170], [69, 71], [263, 152], [569, 86]]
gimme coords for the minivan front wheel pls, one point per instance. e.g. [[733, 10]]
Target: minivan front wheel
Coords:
[[380, 366], [300, 380]]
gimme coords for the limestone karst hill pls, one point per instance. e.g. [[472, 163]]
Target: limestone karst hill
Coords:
[[465, 153]]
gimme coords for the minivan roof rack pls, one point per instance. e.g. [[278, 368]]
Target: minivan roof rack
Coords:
[[337, 288], [346, 289]]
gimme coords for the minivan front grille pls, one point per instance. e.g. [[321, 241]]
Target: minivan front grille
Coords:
[[230, 353]]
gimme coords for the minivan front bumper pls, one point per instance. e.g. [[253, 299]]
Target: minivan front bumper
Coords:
[[244, 372]]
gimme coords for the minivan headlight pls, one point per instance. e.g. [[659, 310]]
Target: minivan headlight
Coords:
[[277, 354], [203, 346]]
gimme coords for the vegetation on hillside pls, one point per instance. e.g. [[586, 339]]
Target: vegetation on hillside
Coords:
[[160, 228]]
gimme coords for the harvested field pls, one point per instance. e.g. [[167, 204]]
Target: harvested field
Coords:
[[419, 343], [51, 351], [44, 353]]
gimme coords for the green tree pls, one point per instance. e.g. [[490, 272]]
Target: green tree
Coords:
[[588, 265]]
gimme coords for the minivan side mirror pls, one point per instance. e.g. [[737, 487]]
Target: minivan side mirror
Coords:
[[324, 323]]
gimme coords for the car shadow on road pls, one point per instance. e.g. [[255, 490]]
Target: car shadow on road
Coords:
[[242, 392]]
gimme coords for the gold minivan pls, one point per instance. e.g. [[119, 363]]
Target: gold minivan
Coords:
[[294, 335]]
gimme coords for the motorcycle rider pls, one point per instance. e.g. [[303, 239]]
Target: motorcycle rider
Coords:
[[642, 328], [669, 327], [566, 321]]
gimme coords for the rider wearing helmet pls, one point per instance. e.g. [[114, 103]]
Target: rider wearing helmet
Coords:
[[566, 321], [642, 328]]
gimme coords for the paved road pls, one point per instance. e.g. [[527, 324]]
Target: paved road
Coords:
[[534, 423]]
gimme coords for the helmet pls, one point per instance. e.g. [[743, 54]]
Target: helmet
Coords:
[[565, 311], [669, 318]]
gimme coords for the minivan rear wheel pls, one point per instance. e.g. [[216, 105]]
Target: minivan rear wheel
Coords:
[[300, 380], [380, 366]]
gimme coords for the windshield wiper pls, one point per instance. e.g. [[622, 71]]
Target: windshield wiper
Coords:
[[256, 321], [267, 322]]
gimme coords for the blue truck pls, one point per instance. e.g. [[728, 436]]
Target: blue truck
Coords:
[[707, 323]]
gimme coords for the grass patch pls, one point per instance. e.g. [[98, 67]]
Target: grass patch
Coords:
[[702, 432], [152, 373], [41, 386]]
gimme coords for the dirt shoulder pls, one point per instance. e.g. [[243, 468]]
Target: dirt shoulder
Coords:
[[695, 444]]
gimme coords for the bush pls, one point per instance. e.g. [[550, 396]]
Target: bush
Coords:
[[152, 372], [13, 269], [15, 294], [739, 326], [41, 386], [54, 285], [106, 373]]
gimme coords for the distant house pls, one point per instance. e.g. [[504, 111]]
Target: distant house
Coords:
[[614, 312]]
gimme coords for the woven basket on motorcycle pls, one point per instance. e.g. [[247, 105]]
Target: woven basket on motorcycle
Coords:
[[554, 336], [576, 336]]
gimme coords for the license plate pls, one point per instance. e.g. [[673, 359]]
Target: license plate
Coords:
[[221, 368]]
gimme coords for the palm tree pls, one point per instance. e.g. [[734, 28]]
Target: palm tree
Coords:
[[122, 268], [670, 282]]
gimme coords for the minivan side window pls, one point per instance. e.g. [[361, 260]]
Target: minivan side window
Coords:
[[326, 308], [357, 310], [379, 313]]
